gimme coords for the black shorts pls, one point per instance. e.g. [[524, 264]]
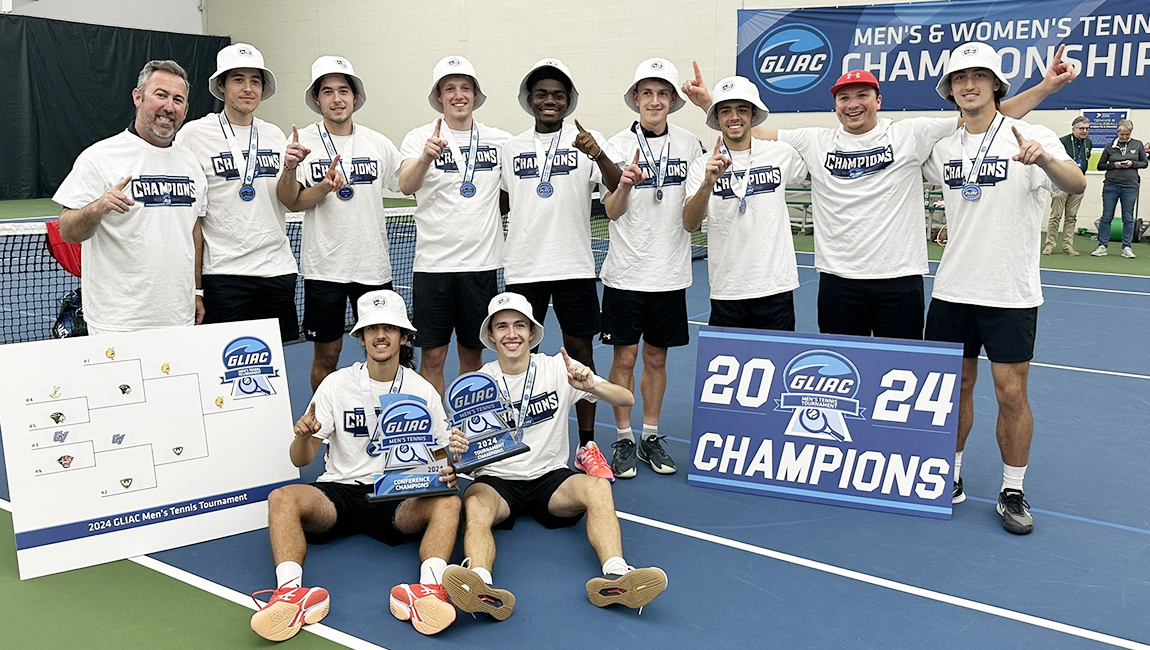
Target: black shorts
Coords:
[[230, 298], [1007, 334], [576, 304], [531, 498], [355, 515], [891, 307], [451, 301], [659, 317], [775, 312], [325, 307]]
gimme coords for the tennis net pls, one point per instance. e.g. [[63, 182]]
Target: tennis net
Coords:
[[32, 283]]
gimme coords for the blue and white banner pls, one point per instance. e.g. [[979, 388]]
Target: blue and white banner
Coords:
[[843, 420], [795, 55]]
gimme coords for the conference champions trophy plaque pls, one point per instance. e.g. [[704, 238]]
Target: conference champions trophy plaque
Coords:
[[476, 406], [412, 457]]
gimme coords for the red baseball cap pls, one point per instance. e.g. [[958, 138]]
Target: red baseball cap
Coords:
[[855, 77]]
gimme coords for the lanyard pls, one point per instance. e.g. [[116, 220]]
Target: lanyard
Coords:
[[249, 173], [369, 403], [983, 149], [544, 159], [329, 146], [738, 187], [525, 400], [660, 169], [466, 188]]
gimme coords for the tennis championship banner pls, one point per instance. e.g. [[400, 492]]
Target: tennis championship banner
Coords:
[[795, 55], [842, 420]]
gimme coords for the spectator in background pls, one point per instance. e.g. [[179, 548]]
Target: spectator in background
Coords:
[[1121, 161], [1078, 146]]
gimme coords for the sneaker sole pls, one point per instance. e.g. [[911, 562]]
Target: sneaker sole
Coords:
[[659, 469], [1011, 526], [465, 587], [432, 616], [277, 621], [635, 589], [626, 474], [579, 466], [958, 499]]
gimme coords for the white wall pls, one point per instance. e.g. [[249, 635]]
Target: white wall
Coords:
[[393, 45], [182, 16]]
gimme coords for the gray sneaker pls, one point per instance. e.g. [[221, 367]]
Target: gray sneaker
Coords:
[[1015, 512], [623, 458], [1128, 252], [651, 452]]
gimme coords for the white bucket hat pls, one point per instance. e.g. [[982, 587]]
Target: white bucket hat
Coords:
[[446, 67], [326, 65], [241, 55], [508, 300], [972, 55], [656, 69], [557, 65], [736, 88], [383, 307]]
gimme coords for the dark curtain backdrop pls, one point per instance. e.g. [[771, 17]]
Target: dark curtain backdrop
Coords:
[[67, 85]]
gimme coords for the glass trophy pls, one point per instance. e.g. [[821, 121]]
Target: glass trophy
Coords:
[[476, 406], [412, 457]]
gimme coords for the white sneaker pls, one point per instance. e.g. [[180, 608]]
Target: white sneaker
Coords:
[[1127, 252], [1099, 252]]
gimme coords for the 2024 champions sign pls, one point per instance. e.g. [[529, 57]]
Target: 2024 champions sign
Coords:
[[863, 423]]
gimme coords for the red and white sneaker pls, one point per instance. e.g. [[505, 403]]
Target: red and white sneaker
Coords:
[[426, 606], [289, 609], [589, 459]]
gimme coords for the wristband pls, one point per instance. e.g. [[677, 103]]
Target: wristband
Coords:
[[597, 156], [199, 293]]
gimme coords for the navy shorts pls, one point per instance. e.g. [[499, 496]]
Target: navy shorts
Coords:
[[231, 298], [891, 307], [325, 307], [446, 302], [576, 304], [775, 312]]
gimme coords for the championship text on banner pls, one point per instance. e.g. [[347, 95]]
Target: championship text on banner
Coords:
[[795, 55], [850, 421], [131, 443]]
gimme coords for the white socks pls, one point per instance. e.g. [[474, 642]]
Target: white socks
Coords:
[[957, 465], [288, 574], [484, 574], [431, 571], [1012, 477], [626, 434], [615, 566], [650, 431]]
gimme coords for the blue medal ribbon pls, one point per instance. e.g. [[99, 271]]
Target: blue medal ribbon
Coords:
[[544, 162], [525, 400], [738, 187], [661, 168], [970, 189], [467, 187], [247, 190], [344, 192]]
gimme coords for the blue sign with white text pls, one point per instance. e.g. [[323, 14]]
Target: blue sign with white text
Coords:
[[842, 420], [796, 55]]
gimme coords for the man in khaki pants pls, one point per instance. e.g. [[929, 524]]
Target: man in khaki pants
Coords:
[[1077, 144]]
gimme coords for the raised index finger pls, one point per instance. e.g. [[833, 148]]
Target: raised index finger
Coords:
[[294, 135], [311, 409], [437, 123], [566, 359], [698, 74], [1017, 134], [124, 183], [636, 160], [1058, 56], [334, 162], [718, 141], [580, 127]]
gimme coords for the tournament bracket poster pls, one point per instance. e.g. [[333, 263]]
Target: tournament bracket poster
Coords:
[[795, 55], [859, 422], [126, 444]]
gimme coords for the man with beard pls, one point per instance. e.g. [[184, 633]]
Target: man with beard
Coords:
[[340, 171], [133, 199], [247, 268], [547, 256]]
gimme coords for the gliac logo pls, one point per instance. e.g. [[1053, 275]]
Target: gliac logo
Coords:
[[405, 434], [472, 395], [248, 367], [792, 58], [821, 387]]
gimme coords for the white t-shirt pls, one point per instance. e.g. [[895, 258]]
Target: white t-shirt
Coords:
[[549, 238], [454, 233], [751, 255], [994, 243], [546, 432], [866, 195], [346, 241], [241, 237], [338, 400], [650, 250], [139, 267]]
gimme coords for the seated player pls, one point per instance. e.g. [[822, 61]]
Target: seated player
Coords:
[[541, 391], [336, 504]]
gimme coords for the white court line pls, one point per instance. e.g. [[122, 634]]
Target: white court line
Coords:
[[891, 584], [356, 643], [243, 600], [935, 262], [1062, 286], [1093, 371]]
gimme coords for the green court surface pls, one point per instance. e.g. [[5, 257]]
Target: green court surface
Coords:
[[119, 605]]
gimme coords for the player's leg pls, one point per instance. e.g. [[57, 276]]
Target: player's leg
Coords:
[[1128, 196], [324, 313], [955, 323], [472, 293], [484, 506], [621, 326], [425, 603], [1070, 224], [432, 296], [293, 511], [664, 326], [577, 310], [1009, 337], [619, 583], [1110, 193]]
